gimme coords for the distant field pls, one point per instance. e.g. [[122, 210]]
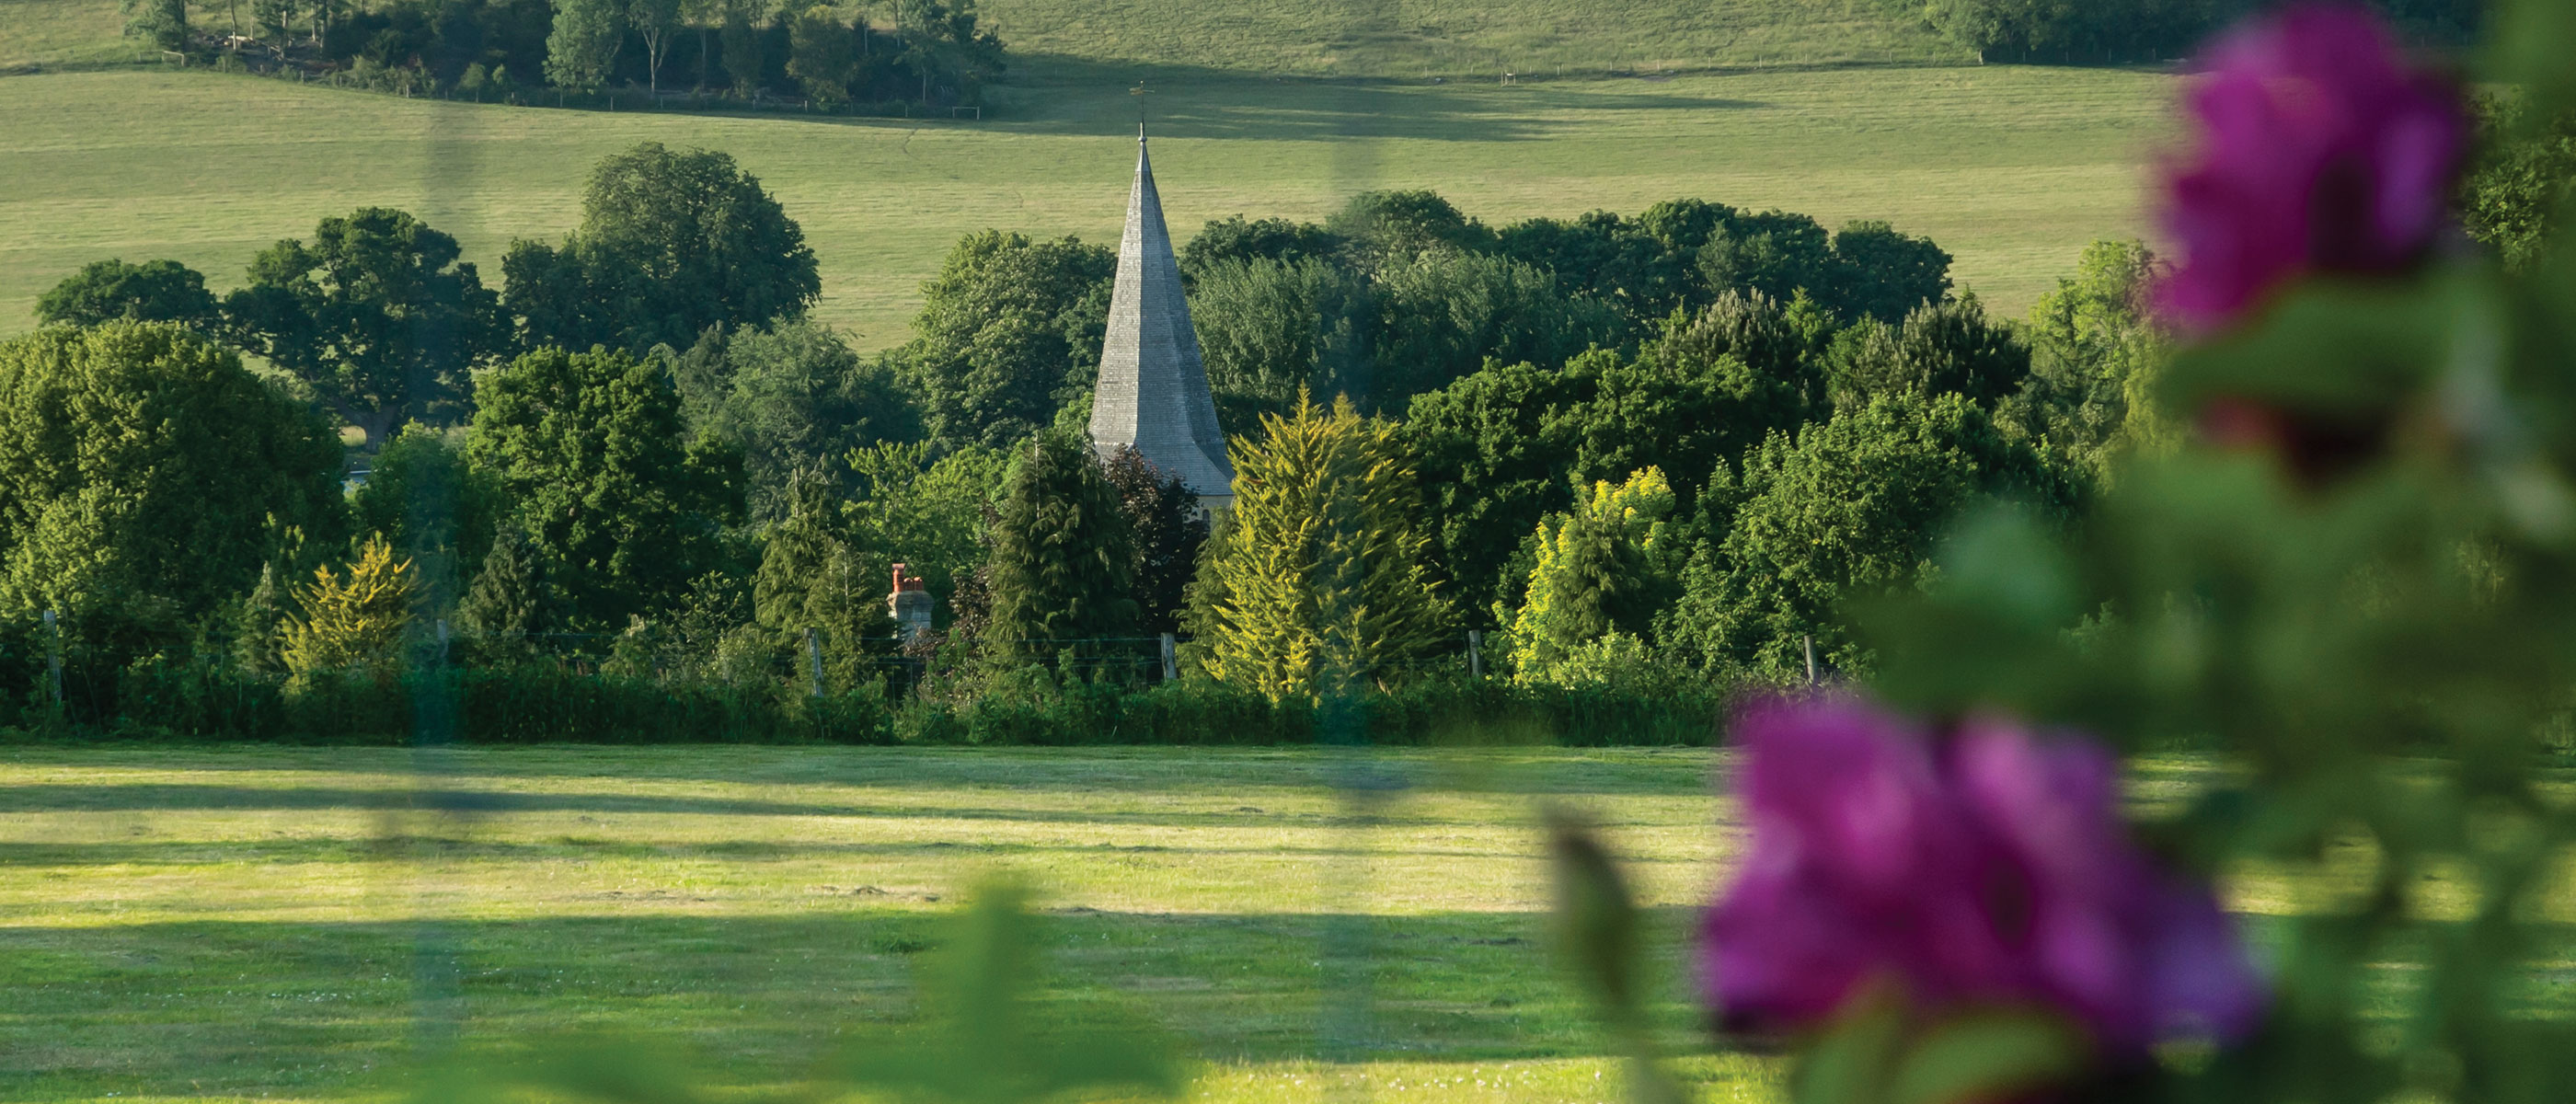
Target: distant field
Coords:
[[1373, 38], [34, 32], [217, 924], [1458, 38], [2013, 169]]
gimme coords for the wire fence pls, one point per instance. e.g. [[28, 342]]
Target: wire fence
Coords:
[[749, 683]]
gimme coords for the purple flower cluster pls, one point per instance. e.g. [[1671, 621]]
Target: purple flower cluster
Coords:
[[1984, 866], [2320, 150]]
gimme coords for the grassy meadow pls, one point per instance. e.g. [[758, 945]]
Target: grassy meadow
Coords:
[[2012, 168], [1365, 38], [238, 923], [1447, 37], [212, 923], [35, 33]]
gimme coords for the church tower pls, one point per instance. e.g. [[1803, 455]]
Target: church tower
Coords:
[[1153, 392]]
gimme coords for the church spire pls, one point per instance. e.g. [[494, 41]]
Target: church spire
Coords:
[[1153, 390]]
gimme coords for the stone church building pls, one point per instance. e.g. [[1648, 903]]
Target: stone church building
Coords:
[[1153, 391]]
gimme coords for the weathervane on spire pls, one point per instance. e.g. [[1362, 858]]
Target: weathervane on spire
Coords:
[[1140, 92]]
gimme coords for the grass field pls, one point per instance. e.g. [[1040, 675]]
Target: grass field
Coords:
[[1454, 38], [2013, 169], [222, 924], [1368, 38], [196, 923], [55, 32]]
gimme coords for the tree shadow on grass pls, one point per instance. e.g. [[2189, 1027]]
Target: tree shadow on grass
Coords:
[[453, 792], [1078, 96], [328, 1009], [301, 850]]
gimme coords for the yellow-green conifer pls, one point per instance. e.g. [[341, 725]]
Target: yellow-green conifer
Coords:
[[352, 621], [1320, 583], [1601, 573]]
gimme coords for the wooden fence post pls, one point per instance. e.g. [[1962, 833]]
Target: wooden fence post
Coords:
[[54, 658], [814, 658]]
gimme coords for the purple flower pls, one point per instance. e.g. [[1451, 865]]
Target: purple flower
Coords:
[[2320, 150], [1983, 867]]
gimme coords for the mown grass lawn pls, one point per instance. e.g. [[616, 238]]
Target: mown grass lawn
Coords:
[[2013, 169], [237, 923]]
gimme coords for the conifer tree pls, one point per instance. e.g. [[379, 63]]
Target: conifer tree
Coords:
[[1319, 582], [1169, 531], [814, 574], [506, 603], [1063, 559], [1602, 573], [258, 623], [352, 621]]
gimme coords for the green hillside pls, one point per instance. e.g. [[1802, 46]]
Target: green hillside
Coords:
[[1403, 38], [2013, 169], [54, 32], [1427, 37]]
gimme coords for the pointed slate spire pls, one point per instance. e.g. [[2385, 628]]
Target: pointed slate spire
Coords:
[[1153, 391]]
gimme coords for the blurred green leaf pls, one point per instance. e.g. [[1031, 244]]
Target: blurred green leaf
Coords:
[[978, 1042], [1600, 932], [2329, 348], [1596, 921], [2531, 45], [1987, 1056], [1851, 1061]]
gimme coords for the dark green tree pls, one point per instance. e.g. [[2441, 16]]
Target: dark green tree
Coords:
[[508, 606], [670, 244], [1625, 263], [1170, 529], [163, 23], [1846, 506], [1775, 253], [1009, 332], [139, 468], [792, 396], [1383, 229], [1237, 240], [377, 315], [257, 622], [1886, 275], [815, 574], [1444, 314], [154, 291], [2096, 343], [619, 504], [1950, 348], [742, 42], [1500, 449], [929, 514], [581, 54], [658, 23], [432, 507], [1268, 329], [1063, 562], [822, 55]]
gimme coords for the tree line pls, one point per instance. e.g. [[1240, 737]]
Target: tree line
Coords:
[[927, 52], [2130, 31], [1688, 433]]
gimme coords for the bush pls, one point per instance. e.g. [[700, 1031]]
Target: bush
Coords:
[[534, 700]]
